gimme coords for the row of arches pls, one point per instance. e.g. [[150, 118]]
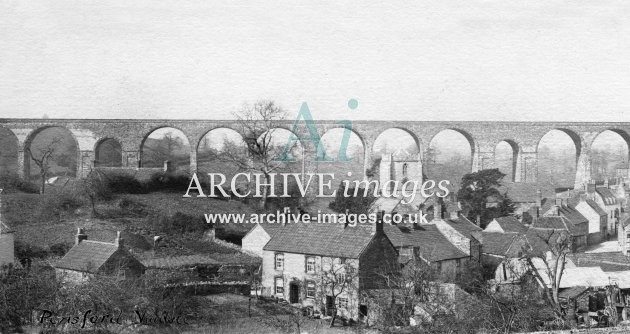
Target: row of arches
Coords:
[[449, 154]]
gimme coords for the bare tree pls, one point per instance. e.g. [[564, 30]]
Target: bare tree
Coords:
[[258, 124], [549, 248], [339, 277], [43, 159]]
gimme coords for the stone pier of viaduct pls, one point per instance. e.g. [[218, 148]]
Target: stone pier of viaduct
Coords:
[[482, 136]]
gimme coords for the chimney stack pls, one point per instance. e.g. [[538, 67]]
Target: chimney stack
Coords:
[[378, 225], [538, 198], [80, 236], [558, 201], [437, 210], [606, 182], [120, 242], [454, 214]]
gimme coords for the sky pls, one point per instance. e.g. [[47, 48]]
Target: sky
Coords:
[[507, 60]]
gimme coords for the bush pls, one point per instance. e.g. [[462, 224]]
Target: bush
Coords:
[[119, 183], [130, 205], [54, 206], [168, 182], [178, 224], [27, 251], [60, 249], [11, 182]]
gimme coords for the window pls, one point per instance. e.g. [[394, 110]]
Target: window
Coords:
[[310, 289], [310, 264], [279, 285], [406, 251], [438, 266], [279, 261], [458, 263], [404, 170], [342, 302], [341, 277]]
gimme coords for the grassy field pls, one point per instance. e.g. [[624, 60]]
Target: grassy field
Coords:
[[35, 227]]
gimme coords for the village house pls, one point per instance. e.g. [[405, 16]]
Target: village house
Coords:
[[623, 236], [425, 243], [503, 252], [254, 241], [596, 216], [88, 258], [7, 241], [621, 189], [551, 218], [458, 230], [327, 266], [608, 202], [507, 224]]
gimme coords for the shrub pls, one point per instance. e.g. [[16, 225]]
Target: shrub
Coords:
[[168, 182], [60, 249], [10, 182], [27, 251], [130, 205], [54, 206], [119, 183], [178, 223]]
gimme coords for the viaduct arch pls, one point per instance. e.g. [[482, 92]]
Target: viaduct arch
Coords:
[[483, 137]]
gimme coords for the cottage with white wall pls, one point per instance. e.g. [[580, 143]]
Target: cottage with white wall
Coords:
[[327, 265], [88, 258]]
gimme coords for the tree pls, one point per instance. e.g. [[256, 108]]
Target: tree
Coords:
[[258, 124], [547, 258], [359, 204], [95, 187], [43, 159], [339, 277], [478, 190]]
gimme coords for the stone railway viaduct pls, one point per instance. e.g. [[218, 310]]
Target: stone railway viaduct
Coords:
[[482, 136]]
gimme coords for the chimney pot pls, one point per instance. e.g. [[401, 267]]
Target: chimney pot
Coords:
[[120, 242], [437, 210], [80, 236]]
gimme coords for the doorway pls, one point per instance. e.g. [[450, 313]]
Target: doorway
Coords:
[[294, 293]]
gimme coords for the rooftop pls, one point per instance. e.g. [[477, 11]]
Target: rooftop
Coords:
[[511, 224], [88, 256], [324, 239], [431, 243]]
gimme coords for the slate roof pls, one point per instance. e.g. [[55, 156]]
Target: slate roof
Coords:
[[575, 200], [497, 243], [511, 224], [324, 239], [573, 215], [539, 239], [88, 256], [572, 292], [560, 223], [432, 244], [463, 226], [624, 220], [608, 261], [573, 277], [273, 229], [607, 195]]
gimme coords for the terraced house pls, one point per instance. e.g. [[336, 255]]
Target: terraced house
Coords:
[[327, 266]]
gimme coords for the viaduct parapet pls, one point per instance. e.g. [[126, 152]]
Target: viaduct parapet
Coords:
[[482, 136]]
